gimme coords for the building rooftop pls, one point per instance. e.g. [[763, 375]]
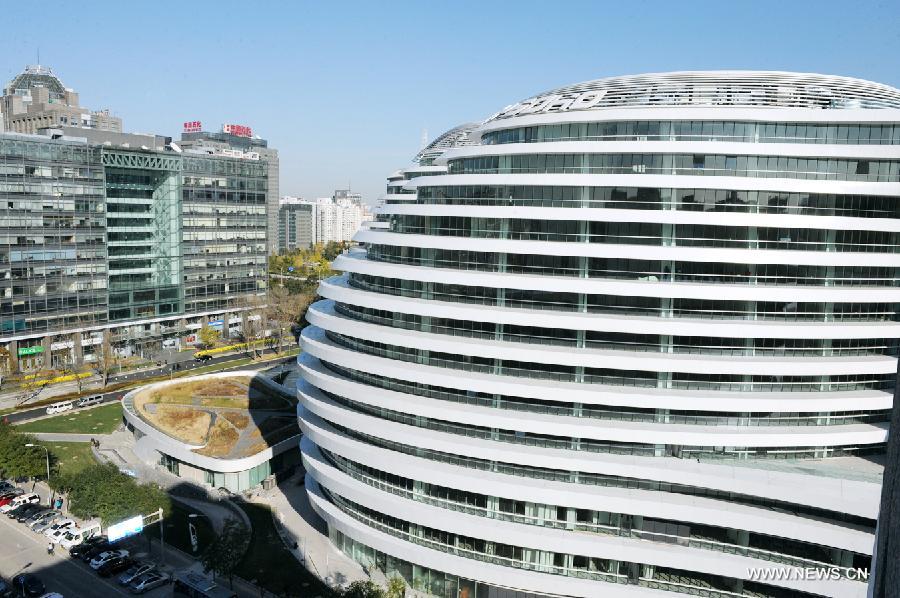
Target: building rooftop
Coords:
[[227, 417], [771, 89], [37, 76]]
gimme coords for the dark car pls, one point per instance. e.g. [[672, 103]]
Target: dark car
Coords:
[[36, 514], [79, 550], [25, 514], [6, 590], [115, 565], [202, 358], [88, 555], [13, 513], [29, 585]]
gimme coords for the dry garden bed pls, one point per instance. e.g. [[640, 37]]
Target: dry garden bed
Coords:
[[227, 417]]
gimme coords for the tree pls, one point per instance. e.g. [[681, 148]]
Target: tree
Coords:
[[224, 554], [16, 459], [285, 309], [396, 587], [363, 589], [104, 359], [208, 336], [105, 492]]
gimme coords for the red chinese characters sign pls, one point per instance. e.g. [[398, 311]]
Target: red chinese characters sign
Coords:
[[239, 130], [193, 126]]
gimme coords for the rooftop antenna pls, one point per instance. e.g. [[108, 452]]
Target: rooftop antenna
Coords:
[[424, 138], [39, 56]]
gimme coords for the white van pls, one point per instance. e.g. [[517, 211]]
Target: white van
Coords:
[[88, 401], [20, 500], [77, 535], [59, 407]]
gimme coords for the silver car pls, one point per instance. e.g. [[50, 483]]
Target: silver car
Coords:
[[136, 570], [46, 521], [147, 582]]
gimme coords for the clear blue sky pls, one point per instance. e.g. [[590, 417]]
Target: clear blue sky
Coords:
[[344, 89]]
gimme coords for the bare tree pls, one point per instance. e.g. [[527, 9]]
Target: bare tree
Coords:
[[284, 310], [105, 359]]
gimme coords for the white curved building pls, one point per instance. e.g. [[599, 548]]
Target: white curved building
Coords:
[[632, 337]]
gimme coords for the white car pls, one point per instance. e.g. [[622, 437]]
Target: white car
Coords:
[[61, 525], [102, 558], [20, 500]]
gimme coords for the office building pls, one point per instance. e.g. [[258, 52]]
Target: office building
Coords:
[[632, 337], [137, 247], [239, 141], [36, 99], [296, 224]]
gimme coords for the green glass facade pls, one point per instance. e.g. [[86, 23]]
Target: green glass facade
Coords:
[[135, 241]]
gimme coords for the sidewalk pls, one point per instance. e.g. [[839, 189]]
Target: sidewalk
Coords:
[[300, 524]]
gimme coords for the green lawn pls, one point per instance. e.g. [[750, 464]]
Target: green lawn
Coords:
[[71, 457], [99, 420], [269, 563]]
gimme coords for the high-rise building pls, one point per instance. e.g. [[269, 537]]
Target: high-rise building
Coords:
[[36, 99], [296, 224], [239, 141], [141, 246], [633, 337]]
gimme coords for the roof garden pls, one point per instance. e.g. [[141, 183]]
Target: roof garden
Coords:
[[224, 417]]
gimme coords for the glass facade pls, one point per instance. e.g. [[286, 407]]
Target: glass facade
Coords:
[[94, 237], [547, 344], [224, 214], [52, 242]]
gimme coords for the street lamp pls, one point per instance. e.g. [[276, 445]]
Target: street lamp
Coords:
[[30, 445]]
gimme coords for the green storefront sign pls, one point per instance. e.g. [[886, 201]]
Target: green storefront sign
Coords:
[[31, 350]]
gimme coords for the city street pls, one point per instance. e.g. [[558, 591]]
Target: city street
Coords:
[[31, 414], [24, 551]]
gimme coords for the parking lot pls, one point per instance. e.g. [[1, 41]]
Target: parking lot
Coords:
[[23, 551]]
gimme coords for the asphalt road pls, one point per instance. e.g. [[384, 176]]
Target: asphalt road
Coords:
[[38, 412], [25, 551]]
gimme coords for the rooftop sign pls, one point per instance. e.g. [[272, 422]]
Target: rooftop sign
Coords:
[[193, 126], [239, 130]]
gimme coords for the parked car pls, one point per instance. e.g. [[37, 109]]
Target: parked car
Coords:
[[58, 535], [88, 401], [62, 524], [22, 508], [46, 520], [106, 556], [76, 535], [135, 571], [6, 589], [25, 514], [20, 500], [88, 556], [202, 358], [28, 584], [36, 515], [6, 485], [8, 497], [76, 552], [114, 566], [148, 581]]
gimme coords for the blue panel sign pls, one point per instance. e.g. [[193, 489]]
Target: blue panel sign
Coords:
[[126, 528]]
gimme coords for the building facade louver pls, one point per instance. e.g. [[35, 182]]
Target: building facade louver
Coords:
[[631, 337]]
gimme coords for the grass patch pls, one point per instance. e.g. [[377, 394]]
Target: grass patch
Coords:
[[222, 438], [176, 529], [99, 420], [187, 425], [271, 564], [238, 420], [70, 457]]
